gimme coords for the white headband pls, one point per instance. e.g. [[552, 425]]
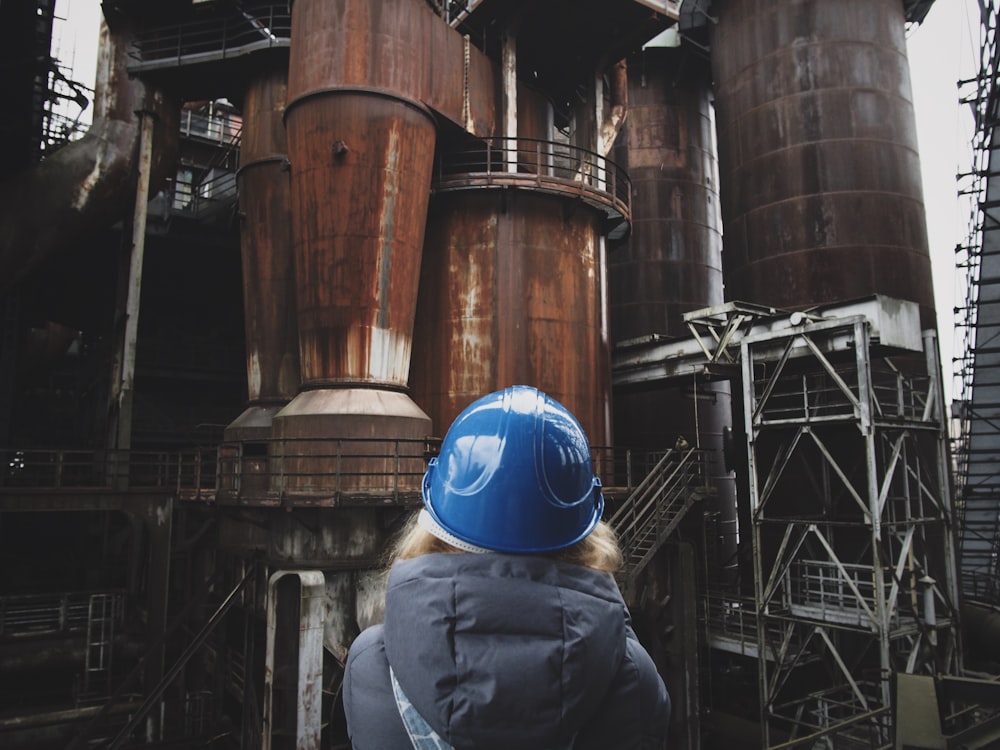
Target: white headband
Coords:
[[426, 521]]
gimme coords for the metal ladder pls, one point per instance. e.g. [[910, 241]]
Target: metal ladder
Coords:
[[100, 638]]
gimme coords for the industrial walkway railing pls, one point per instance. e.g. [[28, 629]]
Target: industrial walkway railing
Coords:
[[188, 472], [52, 614], [545, 166], [248, 27], [275, 471], [655, 508]]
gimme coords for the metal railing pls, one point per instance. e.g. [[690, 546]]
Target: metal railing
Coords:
[[47, 614], [249, 28], [542, 165], [208, 196], [816, 396], [276, 470], [732, 624], [191, 472], [223, 128], [270, 471], [832, 592], [657, 505], [731, 617]]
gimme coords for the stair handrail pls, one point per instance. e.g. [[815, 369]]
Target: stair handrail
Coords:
[[83, 737], [665, 494], [655, 485], [199, 639]]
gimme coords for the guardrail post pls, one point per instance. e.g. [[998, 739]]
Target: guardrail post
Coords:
[[180, 472], [197, 473], [396, 469]]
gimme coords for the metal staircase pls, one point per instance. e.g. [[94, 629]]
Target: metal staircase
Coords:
[[654, 509], [105, 728]]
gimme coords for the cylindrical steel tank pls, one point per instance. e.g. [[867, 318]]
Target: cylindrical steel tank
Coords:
[[672, 263], [512, 292], [361, 147], [268, 264], [821, 185]]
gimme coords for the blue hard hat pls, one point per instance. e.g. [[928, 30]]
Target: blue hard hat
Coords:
[[514, 475]]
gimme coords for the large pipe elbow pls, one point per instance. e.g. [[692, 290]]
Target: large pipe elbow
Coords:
[[89, 183], [614, 118]]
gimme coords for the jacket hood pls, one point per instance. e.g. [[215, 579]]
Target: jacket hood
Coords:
[[501, 651]]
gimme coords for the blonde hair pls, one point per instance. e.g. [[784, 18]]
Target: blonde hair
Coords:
[[598, 550]]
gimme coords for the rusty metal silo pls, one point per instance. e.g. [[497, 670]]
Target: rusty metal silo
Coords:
[[268, 264], [672, 261], [512, 292], [822, 195], [361, 148]]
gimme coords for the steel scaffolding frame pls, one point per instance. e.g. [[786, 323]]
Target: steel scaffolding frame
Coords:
[[854, 561], [977, 377]]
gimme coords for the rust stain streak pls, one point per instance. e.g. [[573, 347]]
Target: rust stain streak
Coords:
[[386, 226]]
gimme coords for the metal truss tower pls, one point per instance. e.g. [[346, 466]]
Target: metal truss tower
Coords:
[[847, 508], [854, 566]]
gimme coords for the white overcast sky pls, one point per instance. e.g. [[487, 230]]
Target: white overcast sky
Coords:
[[942, 51]]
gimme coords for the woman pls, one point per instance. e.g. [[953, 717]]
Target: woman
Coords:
[[504, 627]]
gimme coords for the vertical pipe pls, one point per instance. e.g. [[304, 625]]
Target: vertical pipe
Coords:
[[509, 94], [309, 717], [125, 394], [307, 660], [268, 264], [614, 119]]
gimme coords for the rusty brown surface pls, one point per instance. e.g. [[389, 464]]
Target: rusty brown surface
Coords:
[[533, 115], [361, 149], [361, 170], [818, 151], [266, 245], [398, 46], [511, 293], [672, 262]]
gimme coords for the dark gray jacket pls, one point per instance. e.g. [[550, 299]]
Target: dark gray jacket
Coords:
[[505, 651]]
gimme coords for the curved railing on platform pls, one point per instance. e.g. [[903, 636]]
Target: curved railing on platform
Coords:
[[547, 166], [249, 27]]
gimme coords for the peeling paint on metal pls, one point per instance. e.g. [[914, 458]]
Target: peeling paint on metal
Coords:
[[85, 189], [253, 372], [387, 225]]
